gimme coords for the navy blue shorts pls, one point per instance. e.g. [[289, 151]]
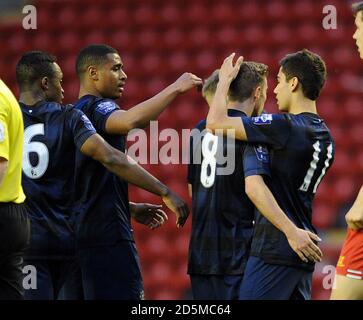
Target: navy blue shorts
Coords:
[[56, 280], [216, 287], [264, 281], [111, 272]]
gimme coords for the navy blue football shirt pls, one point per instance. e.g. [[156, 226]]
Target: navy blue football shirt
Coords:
[[222, 213], [301, 152], [52, 135], [103, 215]]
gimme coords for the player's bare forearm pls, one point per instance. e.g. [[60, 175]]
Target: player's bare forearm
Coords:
[[3, 167], [300, 240], [121, 165], [265, 202], [354, 217], [140, 115], [217, 113], [151, 108], [127, 169]]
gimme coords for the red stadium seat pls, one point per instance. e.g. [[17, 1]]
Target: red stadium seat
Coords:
[[17, 43], [277, 11], [117, 18], [170, 14], [250, 13]]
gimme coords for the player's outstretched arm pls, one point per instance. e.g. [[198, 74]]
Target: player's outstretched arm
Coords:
[[126, 168], [151, 215], [300, 240], [354, 217], [217, 116], [139, 116]]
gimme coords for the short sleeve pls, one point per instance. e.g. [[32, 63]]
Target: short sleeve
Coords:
[[256, 160], [269, 129], [81, 127], [4, 132], [101, 112]]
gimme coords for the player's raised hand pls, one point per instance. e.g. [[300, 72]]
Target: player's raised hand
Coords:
[[178, 206], [187, 81], [301, 241], [149, 214], [229, 70], [354, 218]]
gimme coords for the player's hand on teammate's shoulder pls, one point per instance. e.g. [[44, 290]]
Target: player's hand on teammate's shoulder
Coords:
[[187, 81], [354, 218], [301, 241], [228, 70], [149, 214], [178, 206]]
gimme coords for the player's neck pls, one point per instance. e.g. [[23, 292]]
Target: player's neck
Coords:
[[30, 98], [245, 106], [88, 90], [302, 104]]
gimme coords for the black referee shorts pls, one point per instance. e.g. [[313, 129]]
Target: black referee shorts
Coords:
[[14, 239]]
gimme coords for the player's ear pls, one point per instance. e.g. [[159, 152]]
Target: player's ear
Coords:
[[44, 83], [294, 82], [257, 93], [92, 73]]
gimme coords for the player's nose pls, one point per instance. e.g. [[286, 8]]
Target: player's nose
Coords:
[[123, 75]]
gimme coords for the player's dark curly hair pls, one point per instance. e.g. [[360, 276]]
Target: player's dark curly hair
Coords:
[[95, 54], [34, 65], [356, 7], [310, 70], [250, 76]]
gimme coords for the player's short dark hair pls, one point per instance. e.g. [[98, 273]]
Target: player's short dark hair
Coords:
[[34, 65], [309, 68], [250, 76], [94, 54], [356, 7]]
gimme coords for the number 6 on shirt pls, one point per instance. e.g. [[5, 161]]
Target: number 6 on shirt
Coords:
[[35, 172]]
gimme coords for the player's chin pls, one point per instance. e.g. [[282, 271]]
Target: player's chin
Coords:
[[117, 94]]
